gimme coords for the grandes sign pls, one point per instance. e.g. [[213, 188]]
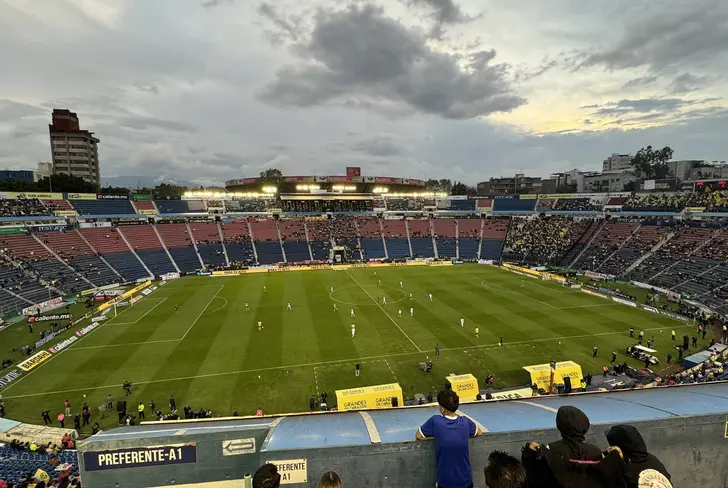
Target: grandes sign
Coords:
[[541, 374], [34, 360], [138, 457], [379, 396], [465, 385]]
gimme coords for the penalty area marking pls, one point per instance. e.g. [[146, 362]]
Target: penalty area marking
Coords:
[[291, 366], [331, 295], [218, 308], [161, 301]]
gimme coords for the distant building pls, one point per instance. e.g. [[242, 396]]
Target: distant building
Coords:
[[706, 171], [74, 151], [45, 170], [24, 175], [511, 185], [617, 162], [606, 182]]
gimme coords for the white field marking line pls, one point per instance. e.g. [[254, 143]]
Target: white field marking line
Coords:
[[203, 311], [385, 312], [484, 367], [58, 354], [124, 344], [391, 371], [315, 376], [308, 365], [144, 315], [552, 289], [220, 308], [507, 290]]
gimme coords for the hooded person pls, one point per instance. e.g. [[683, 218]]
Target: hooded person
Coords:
[[632, 466], [563, 463]]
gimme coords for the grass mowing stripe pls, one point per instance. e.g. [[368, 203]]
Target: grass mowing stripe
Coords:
[[385, 312], [203, 311]]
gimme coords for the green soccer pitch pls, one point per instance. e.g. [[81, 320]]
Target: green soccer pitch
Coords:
[[210, 354]]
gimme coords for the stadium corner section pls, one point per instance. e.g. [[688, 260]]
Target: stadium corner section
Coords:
[[95, 317]]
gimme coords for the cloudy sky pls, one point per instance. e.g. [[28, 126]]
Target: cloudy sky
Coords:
[[207, 90]]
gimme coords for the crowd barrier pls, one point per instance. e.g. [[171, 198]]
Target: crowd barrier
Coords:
[[277, 269]]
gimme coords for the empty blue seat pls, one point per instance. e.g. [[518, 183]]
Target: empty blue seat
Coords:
[[156, 260], [269, 252], [186, 258], [372, 248], [397, 247], [127, 265], [468, 248], [103, 207], [296, 251], [422, 246], [212, 254]]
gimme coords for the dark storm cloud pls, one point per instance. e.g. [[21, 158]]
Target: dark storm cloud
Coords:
[[669, 35], [358, 54], [686, 83], [380, 146], [642, 110], [443, 12], [286, 27]]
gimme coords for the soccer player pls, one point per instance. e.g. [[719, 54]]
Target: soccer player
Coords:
[[399, 313], [352, 313], [462, 322], [336, 308], [521, 283], [477, 332], [265, 289], [331, 290], [500, 342], [410, 296], [412, 311], [430, 296], [380, 282], [260, 325], [353, 330], [288, 307], [384, 300], [356, 369], [247, 307], [401, 285]]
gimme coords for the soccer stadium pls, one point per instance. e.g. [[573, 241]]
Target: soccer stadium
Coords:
[[265, 322]]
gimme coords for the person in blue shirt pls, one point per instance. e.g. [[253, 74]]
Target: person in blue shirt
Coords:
[[451, 433]]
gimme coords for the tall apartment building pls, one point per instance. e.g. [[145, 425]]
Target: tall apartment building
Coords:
[[617, 162], [74, 151]]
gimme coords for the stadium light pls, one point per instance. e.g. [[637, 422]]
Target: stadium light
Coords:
[[270, 189], [380, 189], [307, 187], [343, 187]]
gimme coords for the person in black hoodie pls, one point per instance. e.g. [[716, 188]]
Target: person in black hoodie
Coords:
[[562, 463], [628, 464]]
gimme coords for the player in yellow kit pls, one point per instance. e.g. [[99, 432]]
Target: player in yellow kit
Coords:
[[477, 332], [353, 330], [260, 325], [336, 308]]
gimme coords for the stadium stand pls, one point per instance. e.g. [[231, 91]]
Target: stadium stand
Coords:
[[111, 245], [421, 238], [456, 205], [207, 238], [646, 236], [319, 235], [576, 205], [115, 207], [668, 203], [40, 264], [71, 247], [542, 240], [57, 205], [718, 201], [145, 205], [514, 205], [18, 461], [445, 237], [176, 239], [395, 237], [581, 243], [180, 206], [145, 243], [405, 204], [25, 207], [494, 233], [295, 244], [545, 204], [469, 237], [344, 233], [246, 206], [10, 301], [370, 234], [237, 242], [267, 241], [609, 238]]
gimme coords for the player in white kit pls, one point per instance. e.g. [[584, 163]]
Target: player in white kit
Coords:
[[401, 285], [430, 296], [353, 330], [412, 311], [352, 313], [288, 307], [462, 322], [384, 300]]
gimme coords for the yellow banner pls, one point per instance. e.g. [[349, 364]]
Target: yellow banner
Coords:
[[551, 196], [379, 396], [148, 212], [14, 195], [541, 374], [554, 277], [694, 209], [123, 296], [82, 196], [530, 196], [64, 213], [34, 360], [522, 270], [465, 385]]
